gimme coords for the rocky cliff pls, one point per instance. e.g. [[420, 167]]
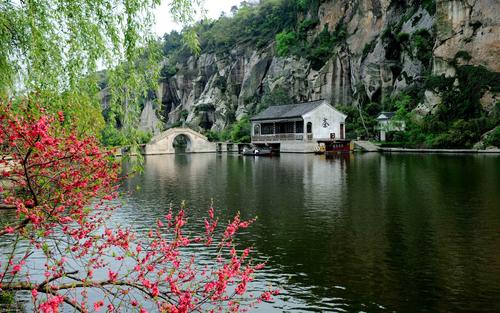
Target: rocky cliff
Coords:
[[388, 47]]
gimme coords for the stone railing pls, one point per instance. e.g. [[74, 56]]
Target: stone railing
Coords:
[[281, 137]]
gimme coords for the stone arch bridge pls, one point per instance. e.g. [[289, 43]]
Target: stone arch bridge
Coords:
[[163, 143]]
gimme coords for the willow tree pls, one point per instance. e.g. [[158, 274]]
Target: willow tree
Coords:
[[54, 48]]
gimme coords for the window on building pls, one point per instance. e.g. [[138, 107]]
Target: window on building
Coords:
[[267, 129], [309, 127], [256, 130], [299, 127], [285, 128]]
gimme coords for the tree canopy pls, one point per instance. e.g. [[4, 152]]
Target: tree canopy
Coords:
[[54, 49]]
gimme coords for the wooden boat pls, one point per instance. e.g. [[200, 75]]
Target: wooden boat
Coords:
[[335, 146], [256, 151]]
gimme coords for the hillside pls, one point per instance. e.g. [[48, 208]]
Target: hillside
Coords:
[[434, 62]]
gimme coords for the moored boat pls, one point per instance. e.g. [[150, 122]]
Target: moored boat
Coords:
[[256, 151]]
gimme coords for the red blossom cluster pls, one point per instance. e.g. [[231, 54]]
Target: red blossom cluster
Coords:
[[62, 188]]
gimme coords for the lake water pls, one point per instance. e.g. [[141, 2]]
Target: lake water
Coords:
[[365, 232]]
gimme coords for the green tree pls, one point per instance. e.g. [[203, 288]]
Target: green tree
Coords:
[[284, 42], [53, 49], [278, 96]]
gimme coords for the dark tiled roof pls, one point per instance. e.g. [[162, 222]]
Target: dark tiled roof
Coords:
[[388, 115], [287, 111]]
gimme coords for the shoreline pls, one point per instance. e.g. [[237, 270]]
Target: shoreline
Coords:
[[441, 151]]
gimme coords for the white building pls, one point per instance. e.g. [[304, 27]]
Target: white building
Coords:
[[298, 127], [387, 122]]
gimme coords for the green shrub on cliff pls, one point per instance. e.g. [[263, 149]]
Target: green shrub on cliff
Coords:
[[493, 139], [459, 120], [285, 41]]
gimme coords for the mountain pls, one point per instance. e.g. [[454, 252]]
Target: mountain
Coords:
[[434, 62]]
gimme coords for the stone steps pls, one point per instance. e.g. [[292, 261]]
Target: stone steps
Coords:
[[366, 145]]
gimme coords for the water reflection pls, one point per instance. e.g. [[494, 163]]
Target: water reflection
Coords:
[[363, 233]]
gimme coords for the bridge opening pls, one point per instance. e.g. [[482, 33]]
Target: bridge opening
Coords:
[[182, 144]]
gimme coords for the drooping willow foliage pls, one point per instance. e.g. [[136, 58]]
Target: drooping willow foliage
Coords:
[[63, 51]]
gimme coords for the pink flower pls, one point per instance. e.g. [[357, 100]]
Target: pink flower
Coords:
[[34, 293], [98, 305], [112, 276], [266, 296]]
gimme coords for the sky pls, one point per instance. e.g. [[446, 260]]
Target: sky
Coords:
[[165, 24]]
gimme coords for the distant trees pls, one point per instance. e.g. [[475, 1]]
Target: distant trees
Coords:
[[249, 24]]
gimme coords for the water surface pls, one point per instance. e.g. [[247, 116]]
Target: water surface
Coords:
[[366, 232]]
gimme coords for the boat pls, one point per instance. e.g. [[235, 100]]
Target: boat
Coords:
[[320, 149], [333, 147], [256, 151]]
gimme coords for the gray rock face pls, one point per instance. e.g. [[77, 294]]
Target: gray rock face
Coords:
[[214, 90], [472, 26], [149, 122]]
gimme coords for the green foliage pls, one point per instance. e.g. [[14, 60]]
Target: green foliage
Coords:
[[403, 104], [278, 96], [239, 132], [391, 44], [212, 135], [177, 124], [112, 137], [429, 6], [386, 33], [176, 51], [493, 139], [6, 297], [459, 120], [354, 121], [403, 37], [308, 24], [303, 5], [8, 302], [284, 41], [464, 55], [53, 45], [368, 48], [459, 133], [221, 83], [322, 48], [252, 24], [144, 137], [168, 71], [421, 43], [463, 101], [184, 114], [52, 49]]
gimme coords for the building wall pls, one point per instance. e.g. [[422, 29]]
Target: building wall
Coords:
[[322, 128], [298, 147]]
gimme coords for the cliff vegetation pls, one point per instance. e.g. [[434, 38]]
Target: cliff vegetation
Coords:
[[435, 63]]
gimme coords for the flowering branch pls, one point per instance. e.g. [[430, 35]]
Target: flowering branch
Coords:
[[62, 188]]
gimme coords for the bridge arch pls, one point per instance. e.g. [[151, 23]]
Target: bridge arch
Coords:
[[163, 143], [182, 143]]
